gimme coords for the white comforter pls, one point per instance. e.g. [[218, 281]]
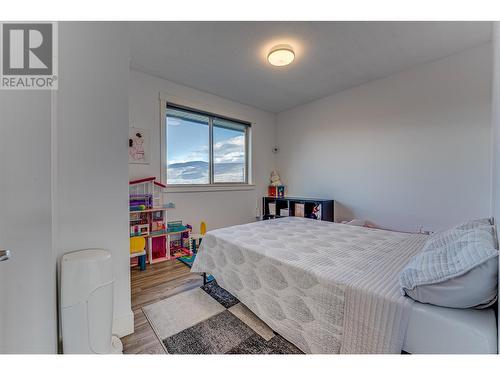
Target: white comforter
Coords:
[[326, 287]]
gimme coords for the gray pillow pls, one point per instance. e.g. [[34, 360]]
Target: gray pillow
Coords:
[[447, 237], [472, 224], [458, 269]]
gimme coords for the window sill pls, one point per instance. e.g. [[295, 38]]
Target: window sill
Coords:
[[208, 188]]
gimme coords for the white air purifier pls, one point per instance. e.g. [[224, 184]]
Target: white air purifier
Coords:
[[87, 303]]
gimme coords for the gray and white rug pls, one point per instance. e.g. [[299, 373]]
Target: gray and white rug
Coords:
[[209, 320]]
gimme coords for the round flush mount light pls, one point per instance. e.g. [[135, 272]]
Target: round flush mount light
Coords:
[[281, 55]]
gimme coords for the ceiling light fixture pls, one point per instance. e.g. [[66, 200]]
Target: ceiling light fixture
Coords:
[[281, 55]]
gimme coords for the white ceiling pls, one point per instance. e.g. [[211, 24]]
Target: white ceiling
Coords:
[[229, 58]]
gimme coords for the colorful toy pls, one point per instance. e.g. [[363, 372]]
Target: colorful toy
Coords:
[[175, 226], [159, 248], [137, 249], [157, 215], [276, 187], [186, 242], [148, 216], [316, 212], [139, 230], [194, 244], [195, 238], [140, 202], [275, 179], [276, 191], [148, 220], [135, 216], [157, 226], [178, 237], [148, 187]]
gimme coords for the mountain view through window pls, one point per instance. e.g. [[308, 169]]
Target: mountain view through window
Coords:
[[189, 154]]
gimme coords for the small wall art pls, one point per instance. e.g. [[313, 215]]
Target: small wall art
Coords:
[[139, 151]]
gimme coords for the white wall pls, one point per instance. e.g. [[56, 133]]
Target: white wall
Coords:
[[407, 150], [69, 145], [495, 139], [92, 134], [496, 123], [217, 208]]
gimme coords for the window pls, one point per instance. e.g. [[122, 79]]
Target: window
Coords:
[[204, 149]]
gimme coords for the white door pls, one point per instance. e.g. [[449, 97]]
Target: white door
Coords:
[[27, 279]]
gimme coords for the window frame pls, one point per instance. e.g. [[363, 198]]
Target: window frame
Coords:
[[212, 184]]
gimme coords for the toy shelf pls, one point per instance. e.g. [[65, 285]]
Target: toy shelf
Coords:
[[319, 209]]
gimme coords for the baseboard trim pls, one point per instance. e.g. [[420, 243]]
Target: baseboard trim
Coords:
[[123, 325]]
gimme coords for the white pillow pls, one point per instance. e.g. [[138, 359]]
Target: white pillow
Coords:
[[457, 269], [476, 288]]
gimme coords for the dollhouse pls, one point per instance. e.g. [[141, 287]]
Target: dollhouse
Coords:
[[148, 219], [150, 189]]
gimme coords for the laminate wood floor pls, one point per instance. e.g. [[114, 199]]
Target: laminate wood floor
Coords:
[[157, 282]]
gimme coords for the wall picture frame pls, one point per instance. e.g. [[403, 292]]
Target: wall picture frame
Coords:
[[139, 146]]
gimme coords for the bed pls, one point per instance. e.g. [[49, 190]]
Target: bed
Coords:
[[333, 288]]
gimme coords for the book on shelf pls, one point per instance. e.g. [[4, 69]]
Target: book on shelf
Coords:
[[284, 212], [316, 212], [299, 209], [272, 208]]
